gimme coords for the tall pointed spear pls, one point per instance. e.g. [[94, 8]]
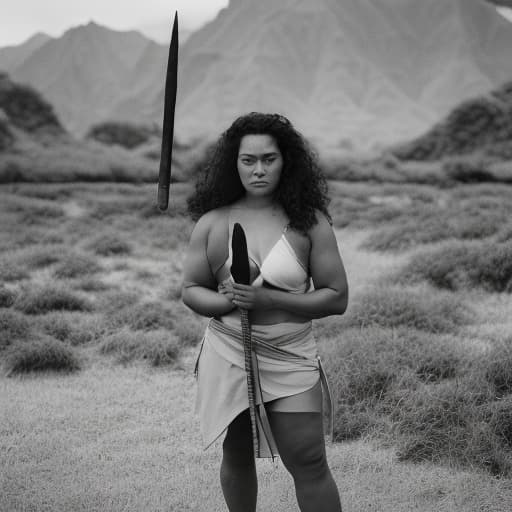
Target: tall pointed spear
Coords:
[[171, 86]]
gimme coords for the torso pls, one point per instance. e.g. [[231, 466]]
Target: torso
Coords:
[[283, 252]]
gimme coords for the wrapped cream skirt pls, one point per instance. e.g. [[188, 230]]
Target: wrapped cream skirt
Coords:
[[287, 364]]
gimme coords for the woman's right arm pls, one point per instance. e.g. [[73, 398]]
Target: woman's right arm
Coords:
[[199, 290]]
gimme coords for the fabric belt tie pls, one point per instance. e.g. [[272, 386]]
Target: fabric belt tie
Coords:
[[263, 347]]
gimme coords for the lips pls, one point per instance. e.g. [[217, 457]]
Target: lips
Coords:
[[259, 183]]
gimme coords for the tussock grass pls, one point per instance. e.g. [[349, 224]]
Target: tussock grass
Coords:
[[426, 394], [108, 244], [39, 299], [7, 297], [433, 227], [49, 192], [41, 255], [33, 211], [40, 354], [71, 327], [158, 347], [457, 265], [119, 205], [498, 414], [13, 326], [77, 264], [144, 316], [74, 161], [505, 233], [395, 306], [497, 369], [91, 284], [11, 270], [369, 368], [443, 422], [115, 300], [13, 238], [190, 329]]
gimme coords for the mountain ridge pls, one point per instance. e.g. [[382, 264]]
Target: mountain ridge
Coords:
[[357, 72]]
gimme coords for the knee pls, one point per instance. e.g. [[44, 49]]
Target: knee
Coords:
[[307, 463]]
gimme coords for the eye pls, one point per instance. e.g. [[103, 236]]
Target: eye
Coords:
[[269, 160], [247, 161]]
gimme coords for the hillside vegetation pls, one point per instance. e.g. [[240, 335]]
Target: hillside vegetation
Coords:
[[34, 147], [472, 144]]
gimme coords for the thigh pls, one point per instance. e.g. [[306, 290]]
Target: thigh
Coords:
[[238, 444], [300, 440], [307, 401]]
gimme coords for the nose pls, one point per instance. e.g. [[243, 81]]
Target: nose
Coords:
[[258, 168]]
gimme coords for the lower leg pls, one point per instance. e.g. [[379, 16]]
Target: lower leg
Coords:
[[238, 469], [300, 440], [318, 494]]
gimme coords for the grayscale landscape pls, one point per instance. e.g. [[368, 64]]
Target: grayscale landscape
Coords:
[[408, 104]]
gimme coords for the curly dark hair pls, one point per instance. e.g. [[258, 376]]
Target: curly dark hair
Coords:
[[302, 187]]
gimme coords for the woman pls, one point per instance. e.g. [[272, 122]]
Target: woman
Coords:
[[263, 176]]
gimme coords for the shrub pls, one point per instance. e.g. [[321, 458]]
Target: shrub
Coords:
[[158, 347], [394, 306], [43, 353], [109, 244], [467, 170], [13, 326], [7, 297], [463, 265], [26, 109], [125, 134], [42, 299], [77, 264]]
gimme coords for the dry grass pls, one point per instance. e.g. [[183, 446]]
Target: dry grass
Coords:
[[397, 306], [13, 326], [77, 264], [457, 265], [40, 354], [108, 244], [158, 346], [35, 300], [413, 340], [125, 446]]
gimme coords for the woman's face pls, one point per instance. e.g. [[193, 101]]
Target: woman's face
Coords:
[[259, 164]]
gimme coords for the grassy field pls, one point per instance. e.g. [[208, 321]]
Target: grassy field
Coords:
[[96, 391]]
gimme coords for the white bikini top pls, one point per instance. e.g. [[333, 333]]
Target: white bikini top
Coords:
[[280, 268]]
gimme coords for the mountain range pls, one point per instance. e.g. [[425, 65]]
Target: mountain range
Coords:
[[348, 73]]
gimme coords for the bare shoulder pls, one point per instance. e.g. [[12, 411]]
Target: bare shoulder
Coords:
[[210, 220], [321, 229]]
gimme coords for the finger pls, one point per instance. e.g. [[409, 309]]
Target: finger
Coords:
[[241, 287]]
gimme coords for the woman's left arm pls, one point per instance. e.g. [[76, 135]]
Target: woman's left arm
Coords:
[[330, 296]]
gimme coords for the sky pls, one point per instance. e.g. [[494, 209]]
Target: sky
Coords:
[[20, 19]]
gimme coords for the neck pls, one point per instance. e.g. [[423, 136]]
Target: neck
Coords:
[[258, 202]]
